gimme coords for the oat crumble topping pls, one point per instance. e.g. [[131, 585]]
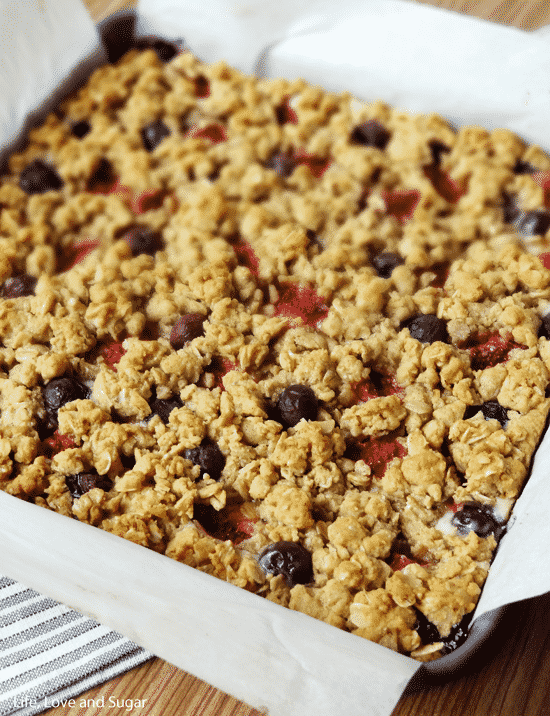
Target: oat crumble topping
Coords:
[[295, 341]]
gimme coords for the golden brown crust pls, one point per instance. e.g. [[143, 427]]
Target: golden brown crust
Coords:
[[252, 245]]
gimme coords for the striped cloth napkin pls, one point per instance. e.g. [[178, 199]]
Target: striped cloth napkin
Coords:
[[50, 653]]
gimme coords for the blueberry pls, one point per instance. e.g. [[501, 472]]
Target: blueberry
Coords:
[[370, 134], [81, 129], [509, 207], [18, 286], [209, 457], [164, 406], [437, 148], [153, 134], [59, 391], [185, 329], [532, 223], [385, 262], [478, 518], [219, 524], [427, 328], [290, 559], [297, 402], [544, 330], [281, 162], [39, 177], [491, 409], [143, 240], [429, 633], [83, 482]]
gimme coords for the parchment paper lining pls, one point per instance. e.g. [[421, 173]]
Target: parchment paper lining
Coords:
[[417, 58]]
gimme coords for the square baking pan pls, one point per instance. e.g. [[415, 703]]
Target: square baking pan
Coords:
[[79, 567]]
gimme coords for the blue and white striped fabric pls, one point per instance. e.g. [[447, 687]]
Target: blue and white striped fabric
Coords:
[[50, 653]]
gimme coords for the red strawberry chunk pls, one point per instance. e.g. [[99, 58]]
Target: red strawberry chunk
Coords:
[[246, 256], [379, 452], [317, 165], [301, 302], [401, 204], [148, 200], [76, 253], [488, 350], [375, 386], [112, 353], [57, 443], [214, 132], [543, 180]]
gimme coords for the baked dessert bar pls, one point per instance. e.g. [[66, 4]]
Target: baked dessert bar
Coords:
[[293, 340]]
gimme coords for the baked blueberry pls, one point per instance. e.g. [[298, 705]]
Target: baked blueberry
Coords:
[[143, 240], [427, 328], [81, 129], [429, 633], [164, 406], [185, 329], [478, 518], [544, 330], [153, 134], [18, 286], [510, 210], [385, 262], [83, 482], [209, 457], [282, 162], [437, 148], [290, 559], [370, 134], [297, 402], [59, 391], [39, 177], [491, 409], [532, 223]]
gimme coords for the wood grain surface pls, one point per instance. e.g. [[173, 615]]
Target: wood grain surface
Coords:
[[515, 681]]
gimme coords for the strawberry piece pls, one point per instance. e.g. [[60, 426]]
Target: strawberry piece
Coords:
[[543, 180], [246, 256], [57, 443], [214, 132], [376, 385], [112, 353], [76, 253], [401, 204], [301, 302], [489, 349]]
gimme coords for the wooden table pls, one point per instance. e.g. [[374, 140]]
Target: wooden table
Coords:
[[514, 682]]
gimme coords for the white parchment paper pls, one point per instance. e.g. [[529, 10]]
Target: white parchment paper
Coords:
[[41, 43], [417, 58]]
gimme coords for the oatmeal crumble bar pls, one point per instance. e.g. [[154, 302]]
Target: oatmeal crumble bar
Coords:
[[295, 341]]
